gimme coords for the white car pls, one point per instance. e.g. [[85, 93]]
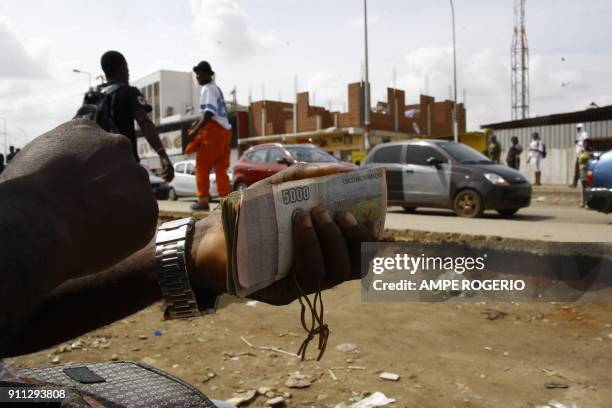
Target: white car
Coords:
[[184, 184]]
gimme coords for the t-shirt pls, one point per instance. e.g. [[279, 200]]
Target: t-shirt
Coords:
[[536, 149], [580, 138], [128, 100], [211, 100]]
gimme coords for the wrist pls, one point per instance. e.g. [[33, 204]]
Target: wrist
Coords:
[[207, 254]]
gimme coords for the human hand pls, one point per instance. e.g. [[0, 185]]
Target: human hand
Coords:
[[95, 197], [327, 247], [167, 171]]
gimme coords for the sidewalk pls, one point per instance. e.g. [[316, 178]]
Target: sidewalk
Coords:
[[556, 189]]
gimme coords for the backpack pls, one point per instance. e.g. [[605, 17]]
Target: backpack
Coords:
[[98, 106]]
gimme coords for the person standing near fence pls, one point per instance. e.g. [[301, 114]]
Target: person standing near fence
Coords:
[[537, 151], [513, 158]]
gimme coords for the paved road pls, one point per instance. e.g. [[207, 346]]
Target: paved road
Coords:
[[540, 221]]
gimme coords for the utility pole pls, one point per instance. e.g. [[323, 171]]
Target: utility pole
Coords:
[[295, 103], [519, 60], [366, 87], [78, 71], [455, 127]]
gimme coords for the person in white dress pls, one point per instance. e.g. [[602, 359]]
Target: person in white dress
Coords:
[[536, 154]]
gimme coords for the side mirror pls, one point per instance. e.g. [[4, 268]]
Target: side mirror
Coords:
[[434, 161], [284, 160]]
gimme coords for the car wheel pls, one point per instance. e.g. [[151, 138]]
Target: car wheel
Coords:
[[508, 212], [172, 195], [408, 209], [240, 186], [468, 204]]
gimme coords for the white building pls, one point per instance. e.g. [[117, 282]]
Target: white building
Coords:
[[174, 96], [558, 133]]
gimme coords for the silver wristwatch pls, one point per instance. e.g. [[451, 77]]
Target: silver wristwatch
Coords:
[[171, 265]]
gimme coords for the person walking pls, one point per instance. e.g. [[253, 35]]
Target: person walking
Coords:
[[494, 149], [583, 167], [513, 158], [537, 151], [210, 138], [128, 104], [581, 136]]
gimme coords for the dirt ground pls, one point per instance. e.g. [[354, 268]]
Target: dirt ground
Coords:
[[447, 355]]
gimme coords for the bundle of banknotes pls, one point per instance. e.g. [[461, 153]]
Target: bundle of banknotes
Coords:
[[258, 221]]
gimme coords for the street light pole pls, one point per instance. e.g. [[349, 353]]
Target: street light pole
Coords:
[[78, 71], [455, 127], [366, 88]]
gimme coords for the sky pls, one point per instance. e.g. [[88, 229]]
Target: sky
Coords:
[[259, 46]]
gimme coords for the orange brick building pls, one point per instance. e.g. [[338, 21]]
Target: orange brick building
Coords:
[[341, 133]]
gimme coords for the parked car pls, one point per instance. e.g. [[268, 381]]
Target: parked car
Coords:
[[443, 174], [264, 160], [158, 185], [599, 178], [184, 183]]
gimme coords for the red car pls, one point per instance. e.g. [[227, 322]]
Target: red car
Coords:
[[264, 160]]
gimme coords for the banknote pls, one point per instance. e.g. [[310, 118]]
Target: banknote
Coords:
[[258, 221]]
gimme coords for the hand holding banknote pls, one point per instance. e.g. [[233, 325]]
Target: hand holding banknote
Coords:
[[327, 247]]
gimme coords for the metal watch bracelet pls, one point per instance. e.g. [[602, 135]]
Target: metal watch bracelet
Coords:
[[171, 267]]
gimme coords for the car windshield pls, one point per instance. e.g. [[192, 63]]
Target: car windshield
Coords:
[[311, 154], [465, 154]]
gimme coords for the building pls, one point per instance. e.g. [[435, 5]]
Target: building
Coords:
[[174, 97], [558, 133], [341, 133]]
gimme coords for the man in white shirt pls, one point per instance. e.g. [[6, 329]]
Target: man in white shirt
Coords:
[[536, 154], [210, 138], [581, 136]]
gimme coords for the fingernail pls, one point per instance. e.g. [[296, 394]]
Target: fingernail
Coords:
[[321, 215], [348, 219], [304, 220]]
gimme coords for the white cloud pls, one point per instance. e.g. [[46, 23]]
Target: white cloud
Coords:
[[328, 88], [374, 21], [224, 32], [17, 62], [37, 91], [556, 84]]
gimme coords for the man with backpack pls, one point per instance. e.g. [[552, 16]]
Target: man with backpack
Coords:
[[118, 105]]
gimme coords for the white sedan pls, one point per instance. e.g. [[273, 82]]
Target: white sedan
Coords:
[[184, 184]]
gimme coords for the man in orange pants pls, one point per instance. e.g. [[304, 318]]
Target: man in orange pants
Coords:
[[210, 138]]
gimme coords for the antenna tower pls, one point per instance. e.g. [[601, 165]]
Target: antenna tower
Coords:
[[519, 58]]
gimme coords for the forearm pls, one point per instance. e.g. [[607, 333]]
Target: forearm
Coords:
[[84, 304], [152, 135]]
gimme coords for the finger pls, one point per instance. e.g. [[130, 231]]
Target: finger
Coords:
[[301, 171], [309, 264], [333, 248], [354, 234]]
